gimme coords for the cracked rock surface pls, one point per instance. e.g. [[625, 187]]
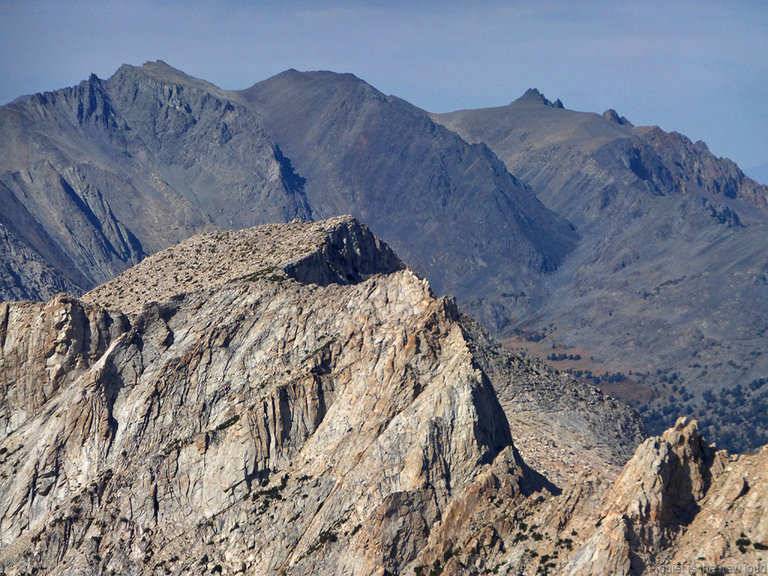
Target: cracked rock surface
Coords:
[[296, 401]]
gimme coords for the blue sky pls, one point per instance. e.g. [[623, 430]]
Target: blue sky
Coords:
[[696, 67]]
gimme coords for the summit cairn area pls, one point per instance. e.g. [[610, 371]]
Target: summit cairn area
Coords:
[[337, 250]]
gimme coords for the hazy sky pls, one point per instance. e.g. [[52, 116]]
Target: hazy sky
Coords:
[[696, 67]]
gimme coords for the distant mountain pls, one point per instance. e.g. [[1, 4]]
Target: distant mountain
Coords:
[[100, 175], [668, 284], [110, 171], [451, 209]]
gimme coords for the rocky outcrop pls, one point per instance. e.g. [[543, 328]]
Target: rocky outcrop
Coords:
[[613, 116], [655, 497], [678, 502], [298, 402], [533, 96], [46, 347], [678, 506]]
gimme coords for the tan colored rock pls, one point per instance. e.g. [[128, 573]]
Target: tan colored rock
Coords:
[[313, 408], [678, 502], [316, 418]]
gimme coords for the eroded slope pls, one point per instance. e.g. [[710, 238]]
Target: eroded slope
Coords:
[[667, 286]]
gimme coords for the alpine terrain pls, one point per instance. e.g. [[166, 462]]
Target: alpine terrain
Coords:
[[664, 299], [625, 254], [293, 399]]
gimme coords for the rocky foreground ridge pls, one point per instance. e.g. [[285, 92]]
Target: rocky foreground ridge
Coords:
[[291, 399]]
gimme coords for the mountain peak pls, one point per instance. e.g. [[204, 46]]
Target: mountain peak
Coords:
[[339, 250], [155, 68], [161, 71], [336, 79], [533, 96], [160, 65], [612, 116]]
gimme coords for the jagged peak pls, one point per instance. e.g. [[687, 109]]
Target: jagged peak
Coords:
[[533, 96], [612, 116]]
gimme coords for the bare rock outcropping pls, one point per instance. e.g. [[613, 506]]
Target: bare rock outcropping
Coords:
[[291, 399], [286, 399], [679, 502]]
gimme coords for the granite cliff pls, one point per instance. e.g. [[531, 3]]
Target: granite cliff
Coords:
[[292, 399]]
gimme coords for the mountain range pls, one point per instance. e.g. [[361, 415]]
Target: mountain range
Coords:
[[625, 254], [667, 284]]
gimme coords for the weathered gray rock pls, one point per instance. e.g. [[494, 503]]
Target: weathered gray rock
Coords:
[[96, 177], [450, 209]]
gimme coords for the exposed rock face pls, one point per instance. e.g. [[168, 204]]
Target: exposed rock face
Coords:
[[678, 502], [679, 506], [660, 219], [298, 402], [339, 250], [44, 347], [27, 275], [657, 494]]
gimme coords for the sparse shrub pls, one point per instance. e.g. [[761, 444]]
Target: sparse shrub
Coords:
[[227, 423]]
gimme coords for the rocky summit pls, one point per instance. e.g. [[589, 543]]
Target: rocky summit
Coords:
[[291, 399]]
